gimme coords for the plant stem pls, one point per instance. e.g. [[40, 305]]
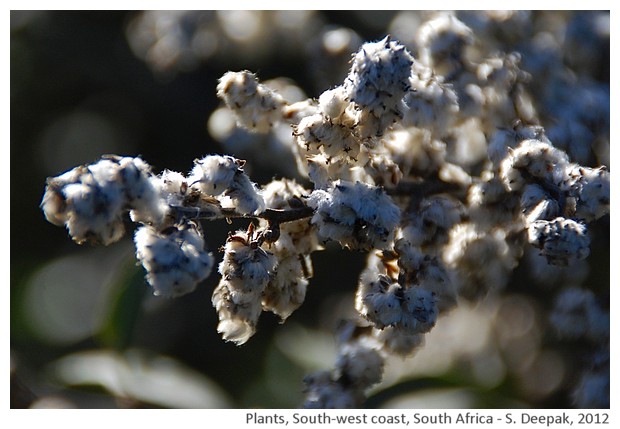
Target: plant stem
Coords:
[[271, 215]]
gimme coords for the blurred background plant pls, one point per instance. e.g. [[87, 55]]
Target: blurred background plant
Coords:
[[85, 330]]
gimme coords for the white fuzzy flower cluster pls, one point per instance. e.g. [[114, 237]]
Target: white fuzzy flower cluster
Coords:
[[490, 90], [437, 167], [557, 198], [590, 189], [286, 290], [174, 259], [256, 106], [501, 80], [562, 241], [419, 269], [490, 195], [442, 41], [359, 366], [356, 215], [385, 302], [537, 161], [246, 270], [532, 159], [296, 240], [364, 107], [430, 104], [401, 293], [376, 84], [327, 134], [505, 139], [265, 269], [471, 247], [93, 200], [217, 175], [90, 200], [337, 139]]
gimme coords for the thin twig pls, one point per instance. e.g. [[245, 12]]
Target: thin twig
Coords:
[[271, 215]]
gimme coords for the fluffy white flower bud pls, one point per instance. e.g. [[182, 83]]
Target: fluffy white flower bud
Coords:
[[238, 311], [376, 83], [214, 174], [534, 158], [426, 272], [356, 215], [296, 237], [283, 193], [379, 300], [95, 208], [322, 171], [415, 152], [501, 71], [379, 170], [421, 314], [442, 40], [246, 270], [508, 138], [287, 289], [217, 175], [91, 200], [333, 102], [142, 190], [315, 134], [173, 186], [490, 204], [561, 240], [255, 105], [386, 303], [360, 365], [54, 204], [246, 199], [246, 260], [174, 259], [431, 104], [590, 187]]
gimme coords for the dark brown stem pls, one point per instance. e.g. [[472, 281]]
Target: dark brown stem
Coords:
[[274, 216]]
